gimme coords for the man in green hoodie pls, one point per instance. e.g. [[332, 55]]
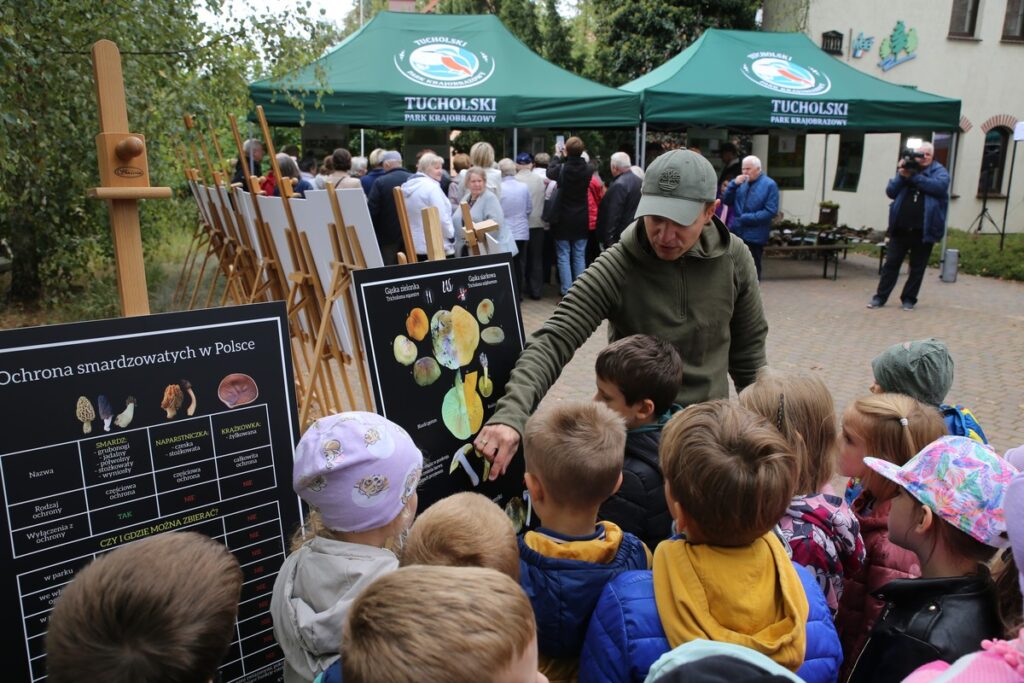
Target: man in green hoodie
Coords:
[[676, 274]]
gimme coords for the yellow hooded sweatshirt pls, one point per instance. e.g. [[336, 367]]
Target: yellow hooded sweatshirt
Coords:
[[750, 596]]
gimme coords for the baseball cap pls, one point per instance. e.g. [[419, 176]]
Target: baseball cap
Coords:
[[358, 470], [677, 185], [962, 481], [524, 158]]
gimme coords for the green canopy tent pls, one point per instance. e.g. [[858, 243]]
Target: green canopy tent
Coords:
[[404, 69], [759, 81]]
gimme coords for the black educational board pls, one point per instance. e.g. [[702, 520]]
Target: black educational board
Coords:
[[430, 328], [82, 476]]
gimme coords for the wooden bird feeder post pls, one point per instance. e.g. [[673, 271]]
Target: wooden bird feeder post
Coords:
[[124, 177]]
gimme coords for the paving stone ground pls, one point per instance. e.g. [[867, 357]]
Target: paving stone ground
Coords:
[[823, 326]]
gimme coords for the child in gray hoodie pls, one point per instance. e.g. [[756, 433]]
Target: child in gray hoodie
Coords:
[[358, 472]]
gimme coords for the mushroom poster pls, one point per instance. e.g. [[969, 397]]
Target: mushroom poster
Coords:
[[442, 338], [118, 430]]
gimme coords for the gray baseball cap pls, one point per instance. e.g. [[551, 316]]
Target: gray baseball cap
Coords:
[[677, 186]]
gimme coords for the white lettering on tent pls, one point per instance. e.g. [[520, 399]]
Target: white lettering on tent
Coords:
[[809, 113], [810, 107], [441, 39], [488, 104]]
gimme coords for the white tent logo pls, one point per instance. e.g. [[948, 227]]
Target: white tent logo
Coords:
[[777, 72], [441, 62]]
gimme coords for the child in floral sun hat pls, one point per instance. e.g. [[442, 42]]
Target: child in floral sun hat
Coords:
[[998, 661], [949, 512], [358, 472]]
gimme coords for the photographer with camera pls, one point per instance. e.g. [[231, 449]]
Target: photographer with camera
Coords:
[[917, 220]]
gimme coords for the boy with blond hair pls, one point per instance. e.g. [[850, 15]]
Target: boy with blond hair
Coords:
[[638, 377], [573, 458], [159, 610], [452, 624], [464, 530], [726, 577]]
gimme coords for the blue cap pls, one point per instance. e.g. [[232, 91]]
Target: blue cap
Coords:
[[524, 158]]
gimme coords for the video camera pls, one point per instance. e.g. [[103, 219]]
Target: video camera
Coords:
[[912, 160]]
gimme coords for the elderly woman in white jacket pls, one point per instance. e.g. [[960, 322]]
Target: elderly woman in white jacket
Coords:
[[421, 190], [483, 205]]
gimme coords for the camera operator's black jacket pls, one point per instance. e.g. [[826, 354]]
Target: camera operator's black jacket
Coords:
[[934, 182]]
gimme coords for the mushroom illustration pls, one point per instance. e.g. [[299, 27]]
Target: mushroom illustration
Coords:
[[459, 458], [186, 388], [486, 386], [124, 418], [238, 389], [106, 411], [173, 399], [85, 414]]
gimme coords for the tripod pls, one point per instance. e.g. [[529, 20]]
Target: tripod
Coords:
[[984, 215]]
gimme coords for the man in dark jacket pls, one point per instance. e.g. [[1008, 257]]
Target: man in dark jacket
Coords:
[[917, 220], [618, 206], [367, 179], [383, 211]]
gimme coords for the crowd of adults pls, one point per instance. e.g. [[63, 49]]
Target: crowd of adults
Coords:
[[555, 213]]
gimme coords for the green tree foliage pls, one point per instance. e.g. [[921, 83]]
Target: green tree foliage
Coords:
[[362, 10], [632, 38], [520, 17], [468, 7], [558, 44], [173, 64]]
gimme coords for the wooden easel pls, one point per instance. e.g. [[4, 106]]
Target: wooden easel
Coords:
[[475, 233], [409, 256], [348, 256], [244, 268], [124, 178], [200, 234], [301, 297], [241, 270], [227, 246], [269, 273]]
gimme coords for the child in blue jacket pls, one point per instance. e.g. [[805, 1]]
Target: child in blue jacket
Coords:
[[726, 577], [573, 457]]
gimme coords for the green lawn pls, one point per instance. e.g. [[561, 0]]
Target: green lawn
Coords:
[[979, 254]]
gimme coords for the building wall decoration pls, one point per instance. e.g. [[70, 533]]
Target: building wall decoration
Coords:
[[861, 45], [900, 42]]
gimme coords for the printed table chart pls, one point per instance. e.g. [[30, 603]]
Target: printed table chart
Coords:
[[83, 483]]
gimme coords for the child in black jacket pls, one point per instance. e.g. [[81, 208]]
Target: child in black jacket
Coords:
[[949, 512], [638, 377]]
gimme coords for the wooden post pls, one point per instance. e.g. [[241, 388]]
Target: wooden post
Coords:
[[403, 221], [124, 177], [432, 233], [475, 233]]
